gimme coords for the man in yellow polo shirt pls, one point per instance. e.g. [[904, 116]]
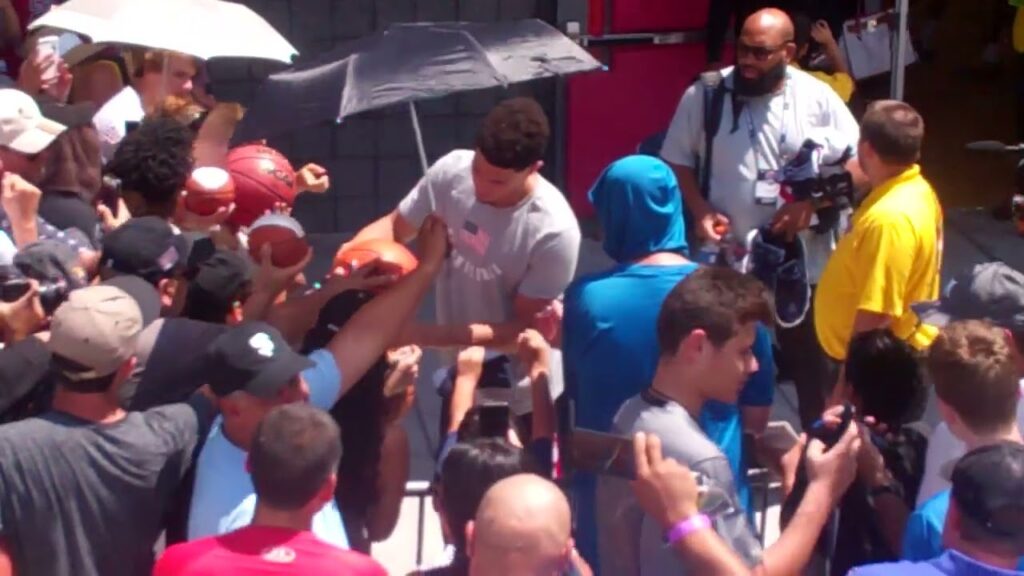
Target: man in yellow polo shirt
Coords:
[[891, 256]]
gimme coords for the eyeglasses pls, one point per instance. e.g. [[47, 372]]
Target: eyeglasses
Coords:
[[760, 53]]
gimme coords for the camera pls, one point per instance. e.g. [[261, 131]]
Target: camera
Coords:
[[51, 294], [818, 174]]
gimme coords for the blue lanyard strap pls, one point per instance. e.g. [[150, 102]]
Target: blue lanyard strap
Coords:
[[752, 131]]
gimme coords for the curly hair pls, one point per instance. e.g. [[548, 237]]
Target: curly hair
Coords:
[[154, 161], [514, 135]]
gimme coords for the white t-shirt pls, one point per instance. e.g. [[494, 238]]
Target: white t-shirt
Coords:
[[111, 120], [944, 449], [805, 108]]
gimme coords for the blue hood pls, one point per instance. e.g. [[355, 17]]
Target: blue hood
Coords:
[[640, 208]]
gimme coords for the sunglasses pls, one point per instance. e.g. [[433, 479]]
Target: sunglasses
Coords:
[[760, 53]]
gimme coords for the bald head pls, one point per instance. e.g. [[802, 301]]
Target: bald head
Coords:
[[763, 52], [772, 23], [523, 526]]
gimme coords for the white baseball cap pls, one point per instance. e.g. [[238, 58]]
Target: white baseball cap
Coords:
[[23, 128]]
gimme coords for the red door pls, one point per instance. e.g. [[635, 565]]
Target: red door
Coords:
[[610, 113]]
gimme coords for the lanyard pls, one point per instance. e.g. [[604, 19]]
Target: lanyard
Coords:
[[752, 130]]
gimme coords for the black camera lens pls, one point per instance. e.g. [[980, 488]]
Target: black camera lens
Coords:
[[52, 295]]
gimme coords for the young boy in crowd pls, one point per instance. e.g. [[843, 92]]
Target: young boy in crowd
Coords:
[[973, 365]]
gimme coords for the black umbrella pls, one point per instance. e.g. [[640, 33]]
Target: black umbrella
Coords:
[[409, 62]]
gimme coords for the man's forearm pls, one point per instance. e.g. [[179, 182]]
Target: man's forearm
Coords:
[[296, 316], [792, 551], [704, 552], [493, 336], [388, 227], [835, 58], [24, 233], [376, 326], [688, 184]]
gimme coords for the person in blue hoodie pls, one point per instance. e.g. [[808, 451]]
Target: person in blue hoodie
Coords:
[[609, 338]]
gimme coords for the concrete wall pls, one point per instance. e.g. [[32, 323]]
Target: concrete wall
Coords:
[[372, 157]]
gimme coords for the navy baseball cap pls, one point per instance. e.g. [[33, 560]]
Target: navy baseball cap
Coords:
[[146, 247], [254, 358], [988, 489]]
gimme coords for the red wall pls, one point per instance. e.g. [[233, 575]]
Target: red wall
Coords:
[[610, 112]]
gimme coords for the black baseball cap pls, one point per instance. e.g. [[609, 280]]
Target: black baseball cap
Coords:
[[991, 291], [146, 247], [219, 281], [144, 294], [988, 489], [254, 358], [338, 310], [51, 262]]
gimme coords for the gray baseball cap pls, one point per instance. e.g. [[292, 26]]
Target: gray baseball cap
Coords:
[[991, 291]]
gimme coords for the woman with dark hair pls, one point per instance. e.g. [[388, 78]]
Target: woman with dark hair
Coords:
[[72, 181], [469, 469], [375, 448]]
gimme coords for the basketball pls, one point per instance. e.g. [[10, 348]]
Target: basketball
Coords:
[[285, 235], [209, 189], [390, 256], [263, 177]]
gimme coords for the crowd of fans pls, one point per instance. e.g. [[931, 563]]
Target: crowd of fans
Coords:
[[171, 405]]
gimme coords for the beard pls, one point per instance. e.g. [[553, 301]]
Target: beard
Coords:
[[764, 84]]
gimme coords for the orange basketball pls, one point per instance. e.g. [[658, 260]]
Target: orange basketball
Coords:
[[263, 177], [209, 189], [285, 235], [391, 257]]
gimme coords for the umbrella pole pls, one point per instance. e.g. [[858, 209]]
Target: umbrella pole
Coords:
[[424, 165], [419, 137]]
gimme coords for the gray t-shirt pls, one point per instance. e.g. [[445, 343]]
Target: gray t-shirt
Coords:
[[805, 108], [168, 366], [79, 498], [497, 253], [631, 543]]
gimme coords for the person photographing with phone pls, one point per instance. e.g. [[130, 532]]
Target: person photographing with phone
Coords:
[[706, 329]]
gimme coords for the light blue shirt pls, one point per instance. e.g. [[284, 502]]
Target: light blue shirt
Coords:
[[224, 498], [922, 540], [951, 563]]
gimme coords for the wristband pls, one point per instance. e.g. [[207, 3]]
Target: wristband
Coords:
[[686, 527]]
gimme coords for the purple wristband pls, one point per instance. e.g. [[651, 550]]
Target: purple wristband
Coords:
[[683, 529]]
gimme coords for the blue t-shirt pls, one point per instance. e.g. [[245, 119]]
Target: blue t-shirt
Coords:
[[610, 353], [224, 498], [922, 540], [951, 563]]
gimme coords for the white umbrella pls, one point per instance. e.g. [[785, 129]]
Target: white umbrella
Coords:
[[202, 28]]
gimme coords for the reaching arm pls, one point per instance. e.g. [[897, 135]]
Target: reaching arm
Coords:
[[830, 473], [296, 316], [391, 226], [393, 472], [496, 336], [376, 326], [667, 492]]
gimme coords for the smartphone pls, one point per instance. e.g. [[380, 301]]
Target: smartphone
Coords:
[[13, 290], [495, 419], [47, 47], [780, 436], [600, 453], [830, 436]]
